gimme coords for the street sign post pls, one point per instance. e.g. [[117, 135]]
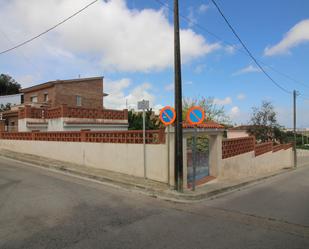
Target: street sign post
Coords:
[[167, 117], [195, 116], [143, 105]]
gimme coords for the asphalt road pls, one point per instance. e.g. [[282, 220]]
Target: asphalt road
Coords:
[[42, 209]]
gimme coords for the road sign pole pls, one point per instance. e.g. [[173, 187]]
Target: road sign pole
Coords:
[[144, 144], [194, 157], [294, 127], [143, 105], [168, 155], [167, 117]]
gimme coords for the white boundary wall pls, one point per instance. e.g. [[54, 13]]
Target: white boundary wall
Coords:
[[60, 124], [246, 165], [302, 157], [122, 158]]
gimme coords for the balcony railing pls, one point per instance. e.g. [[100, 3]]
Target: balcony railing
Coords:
[[72, 112]]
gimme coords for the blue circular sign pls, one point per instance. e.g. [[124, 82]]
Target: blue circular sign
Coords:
[[195, 115], [167, 115]]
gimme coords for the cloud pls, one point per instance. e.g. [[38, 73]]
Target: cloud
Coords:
[[248, 69], [192, 17], [241, 96], [169, 87], [296, 35], [199, 68], [234, 112], [188, 82], [203, 8], [230, 49], [116, 90], [108, 33], [226, 101], [121, 95]]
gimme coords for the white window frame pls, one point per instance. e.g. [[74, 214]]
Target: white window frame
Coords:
[[32, 98], [46, 97], [78, 100]]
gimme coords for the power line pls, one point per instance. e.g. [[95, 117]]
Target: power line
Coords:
[[229, 43], [285, 75], [46, 31], [248, 51], [21, 52]]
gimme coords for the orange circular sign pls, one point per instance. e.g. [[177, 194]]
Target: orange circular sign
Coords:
[[195, 115], [167, 115]]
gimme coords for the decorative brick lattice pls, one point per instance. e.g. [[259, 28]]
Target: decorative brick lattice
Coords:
[[287, 146], [263, 148], [278, 147], [236, 146], [76, 112], [21, 113], [72, 112], [53, 113], [37, 113], [16, 135], [132, 137], [72, 136]]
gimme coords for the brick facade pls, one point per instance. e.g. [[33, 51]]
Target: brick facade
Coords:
[[39, 93], [62, 92], [91, 93]]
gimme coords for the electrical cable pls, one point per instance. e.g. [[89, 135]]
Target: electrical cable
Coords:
[[48, 30]]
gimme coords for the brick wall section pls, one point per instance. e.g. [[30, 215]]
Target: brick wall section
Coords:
[[237, 146], [132, 137], [65, 92], [263, 148], [288, 145], [72, 112], [91, 92], [40, 95], [2, 126]]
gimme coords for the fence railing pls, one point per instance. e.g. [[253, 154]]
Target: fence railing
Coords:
[[236, 146], [72, 112], [263, 148], [131, 137]]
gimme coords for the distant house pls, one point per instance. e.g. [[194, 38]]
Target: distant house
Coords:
[[238, 131], [86, 92], [14, 99], [64, 105]]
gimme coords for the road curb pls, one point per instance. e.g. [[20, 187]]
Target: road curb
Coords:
[[168, 195]]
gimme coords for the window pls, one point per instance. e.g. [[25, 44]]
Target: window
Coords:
[[45, 97], [78, 100], [34, 99]]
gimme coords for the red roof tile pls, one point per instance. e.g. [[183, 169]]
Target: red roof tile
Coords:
[[207, 124]]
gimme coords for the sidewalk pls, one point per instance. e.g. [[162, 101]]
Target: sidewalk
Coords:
[[131, 183]]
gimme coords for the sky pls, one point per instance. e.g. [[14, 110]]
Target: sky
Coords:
[[130, 43]]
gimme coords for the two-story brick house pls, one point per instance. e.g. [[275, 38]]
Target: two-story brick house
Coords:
[[61, 105], [86, 92]]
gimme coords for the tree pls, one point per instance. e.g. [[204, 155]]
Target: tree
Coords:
[[264, 123], [5, 107], [8, 85], [212, 111], [136, 120]]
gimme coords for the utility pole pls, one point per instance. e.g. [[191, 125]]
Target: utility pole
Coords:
[[294, 127], [178, 104]]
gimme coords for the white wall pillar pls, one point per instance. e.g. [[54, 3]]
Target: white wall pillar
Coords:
[[215, 154]]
